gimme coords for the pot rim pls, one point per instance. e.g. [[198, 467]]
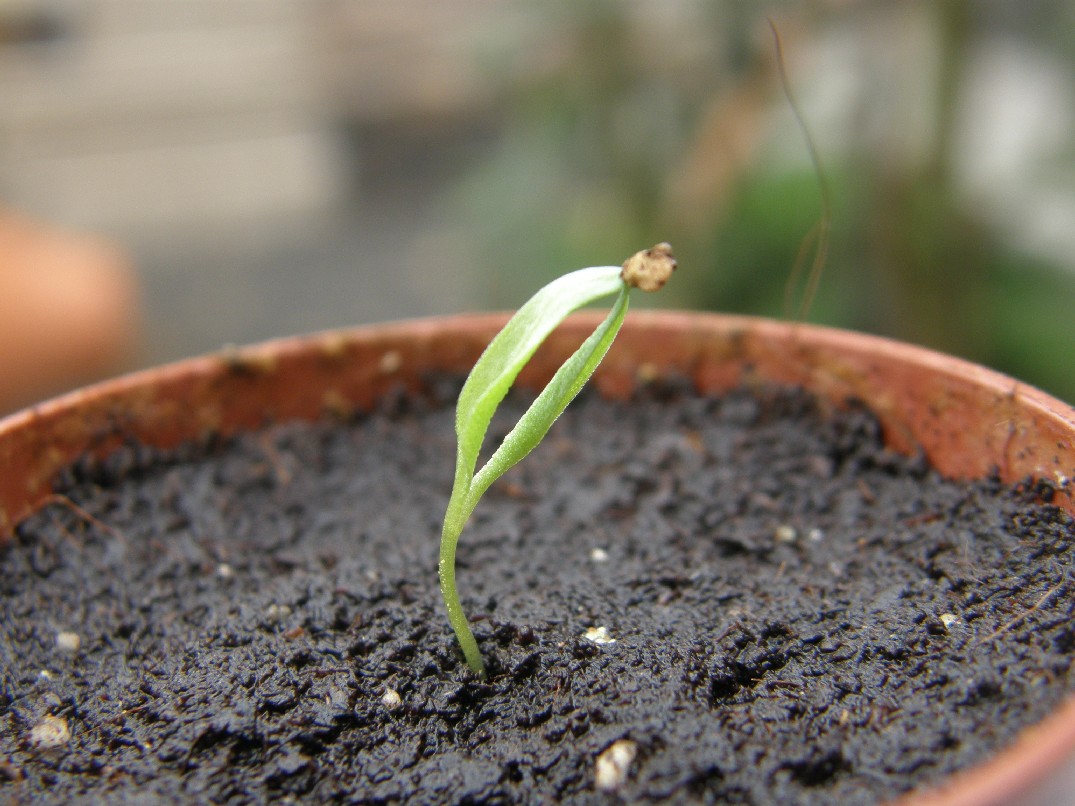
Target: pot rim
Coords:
[[971, 420]]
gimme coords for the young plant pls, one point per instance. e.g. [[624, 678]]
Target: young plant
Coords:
[[493, 375]]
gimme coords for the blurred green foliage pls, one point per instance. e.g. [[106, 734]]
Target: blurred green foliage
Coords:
[[598, 150]]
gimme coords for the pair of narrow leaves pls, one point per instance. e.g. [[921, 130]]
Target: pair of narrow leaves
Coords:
[[493, 375]]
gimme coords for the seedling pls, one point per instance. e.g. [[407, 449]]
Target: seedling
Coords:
[[493, 375]]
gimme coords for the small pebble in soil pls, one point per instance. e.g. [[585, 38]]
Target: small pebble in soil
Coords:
[[613, 765], [51, 732], [785, 533], [277, 612], [598, 635], [949, 620], [225, 571], [68, 642], [599, 555], [391, 699]]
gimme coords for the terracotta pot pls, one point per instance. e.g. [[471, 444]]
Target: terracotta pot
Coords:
[[968, 420]]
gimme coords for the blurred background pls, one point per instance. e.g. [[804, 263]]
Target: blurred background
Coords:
[[270, 167]]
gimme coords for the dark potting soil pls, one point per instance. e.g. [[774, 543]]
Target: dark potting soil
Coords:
[[796, 614]]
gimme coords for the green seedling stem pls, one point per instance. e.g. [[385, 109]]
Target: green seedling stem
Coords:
[[492, 377]]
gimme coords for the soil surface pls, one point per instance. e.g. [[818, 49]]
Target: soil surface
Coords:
[[796, 615]]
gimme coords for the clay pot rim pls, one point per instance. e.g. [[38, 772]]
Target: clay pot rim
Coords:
[[478, 324], [890, 349], [716, 350]]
